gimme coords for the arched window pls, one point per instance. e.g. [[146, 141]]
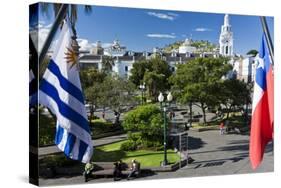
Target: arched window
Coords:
[[226, 50]]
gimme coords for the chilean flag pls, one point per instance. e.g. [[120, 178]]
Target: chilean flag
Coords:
[[263, 100]]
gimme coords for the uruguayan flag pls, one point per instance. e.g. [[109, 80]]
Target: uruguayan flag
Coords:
[[60, 91]]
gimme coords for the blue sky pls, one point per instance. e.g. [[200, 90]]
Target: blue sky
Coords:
[[143, 29]]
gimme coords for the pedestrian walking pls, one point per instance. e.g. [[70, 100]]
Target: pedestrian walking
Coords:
[[222, 128]]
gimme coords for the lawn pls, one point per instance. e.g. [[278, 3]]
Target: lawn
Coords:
[[147, 158]]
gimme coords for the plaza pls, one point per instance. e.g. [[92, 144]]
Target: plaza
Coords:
[[181, 110], [214, 154]]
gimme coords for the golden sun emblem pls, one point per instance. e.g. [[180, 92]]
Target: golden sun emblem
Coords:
[[71, 57]]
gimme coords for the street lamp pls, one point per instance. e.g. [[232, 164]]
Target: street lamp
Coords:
[[164, 106], [142, 88]]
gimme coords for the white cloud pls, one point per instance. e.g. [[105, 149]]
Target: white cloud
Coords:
[[156, 35], [106, 45], [168, 16], [202, 29], [39, 34], [87, 45], [84, 44]]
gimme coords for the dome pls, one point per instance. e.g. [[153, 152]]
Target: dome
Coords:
[[187, 42]]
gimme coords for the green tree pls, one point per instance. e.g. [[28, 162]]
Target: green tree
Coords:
[[90, 77], [198, 81], [113, 92], [252, 53], [154, 72], [92, 95], [155, 83], [234, 93], [146, 119], [160, 66], [118, 93], [138, 71]]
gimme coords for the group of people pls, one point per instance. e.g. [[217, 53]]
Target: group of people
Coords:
[[117, 173], [119, 166]]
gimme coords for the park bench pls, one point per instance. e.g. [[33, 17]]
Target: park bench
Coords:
[[106, 169]]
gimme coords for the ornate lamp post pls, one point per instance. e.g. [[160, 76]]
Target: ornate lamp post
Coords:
[[142, 88], [164, 106]]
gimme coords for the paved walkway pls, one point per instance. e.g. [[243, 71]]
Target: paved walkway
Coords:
[[214, 154], [97, 142]]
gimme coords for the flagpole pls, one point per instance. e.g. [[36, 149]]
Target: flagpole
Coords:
[[268, 38], [59, 18]]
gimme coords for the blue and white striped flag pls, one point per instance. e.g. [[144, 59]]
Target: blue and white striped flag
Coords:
[[60, 91]]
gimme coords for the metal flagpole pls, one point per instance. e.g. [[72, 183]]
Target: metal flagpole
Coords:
[[268, 38], [52, 32]]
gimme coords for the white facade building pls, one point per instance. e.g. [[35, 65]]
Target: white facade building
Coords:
[[186, 47], [245, 69], [226, 38], [124, 59], [115, 49]]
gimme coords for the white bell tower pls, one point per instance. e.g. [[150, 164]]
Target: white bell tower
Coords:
[[226, 38]]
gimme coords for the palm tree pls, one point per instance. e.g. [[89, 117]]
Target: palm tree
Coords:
[[72, 10]]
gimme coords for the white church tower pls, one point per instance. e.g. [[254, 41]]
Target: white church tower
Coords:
[[226, 38]]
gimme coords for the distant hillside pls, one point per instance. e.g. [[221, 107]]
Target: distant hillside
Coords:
[[201, 45], [168, 48]]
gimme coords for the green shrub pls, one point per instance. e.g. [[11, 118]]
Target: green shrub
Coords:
[[147, 120], [129, 146], [99, 123], [47, 130], [135, 137]]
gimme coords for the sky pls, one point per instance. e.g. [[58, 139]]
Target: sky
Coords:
[[144, 29]]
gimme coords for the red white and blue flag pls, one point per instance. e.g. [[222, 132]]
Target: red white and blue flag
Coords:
[[263, 101]]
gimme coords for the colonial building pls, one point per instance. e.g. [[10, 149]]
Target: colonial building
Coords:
[[226, 38], [245, 68], [124, 59]]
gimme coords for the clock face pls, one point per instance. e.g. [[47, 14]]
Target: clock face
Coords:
[[225, 38]]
